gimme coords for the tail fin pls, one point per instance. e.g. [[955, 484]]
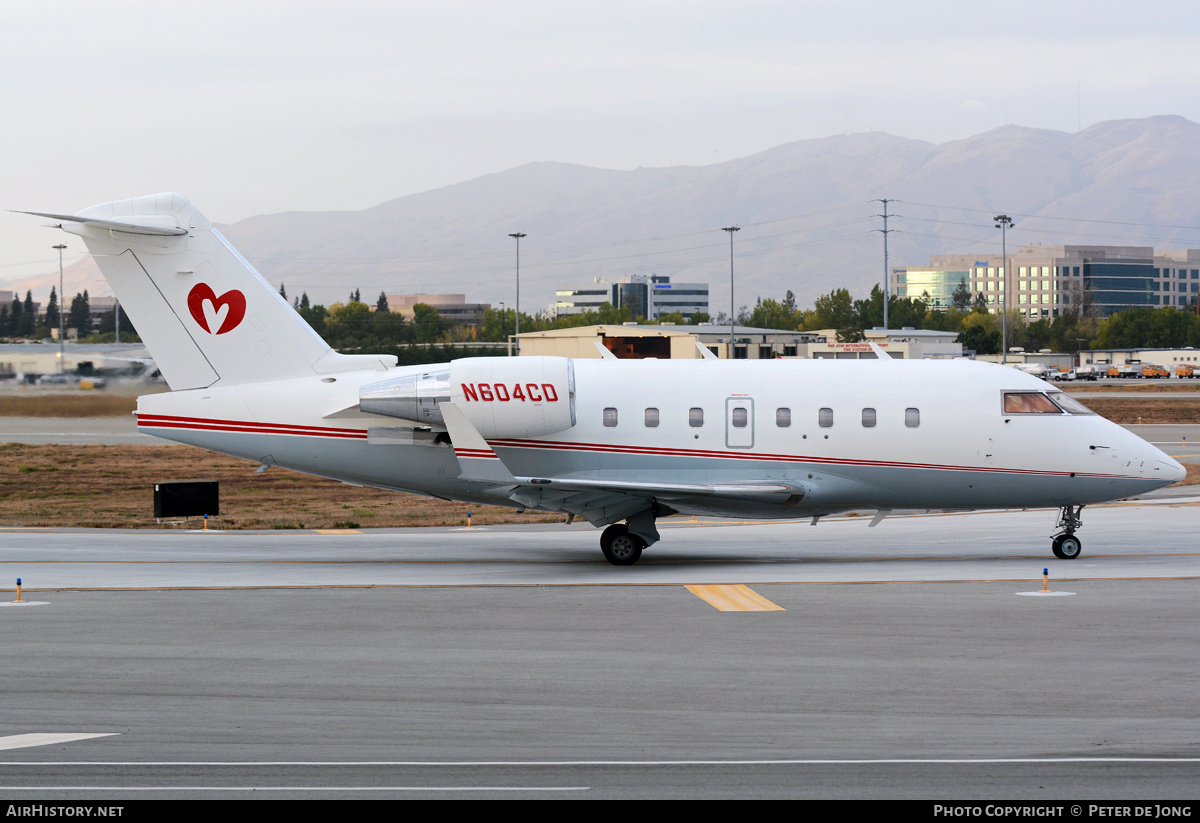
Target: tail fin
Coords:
[[205, 314]]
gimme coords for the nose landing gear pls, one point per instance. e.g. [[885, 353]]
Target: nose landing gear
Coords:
[[1065, 545]]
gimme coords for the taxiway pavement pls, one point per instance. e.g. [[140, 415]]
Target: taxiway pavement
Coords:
[[514, 662]]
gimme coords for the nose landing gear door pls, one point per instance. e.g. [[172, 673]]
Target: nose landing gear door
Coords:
[[739, 423]]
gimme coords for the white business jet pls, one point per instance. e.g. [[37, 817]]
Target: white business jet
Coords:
[[618, 443]]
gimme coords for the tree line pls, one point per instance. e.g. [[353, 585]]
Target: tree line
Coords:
[[354, 325], [980, 330], [21, 319]]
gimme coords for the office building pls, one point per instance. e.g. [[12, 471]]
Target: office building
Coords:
[[645, 295], [1046, 281]]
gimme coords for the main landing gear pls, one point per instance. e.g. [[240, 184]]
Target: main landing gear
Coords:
[[1066, 546], [620, 546], [622, 543]]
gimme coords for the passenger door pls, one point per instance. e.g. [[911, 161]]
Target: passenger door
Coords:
[[739, 423]]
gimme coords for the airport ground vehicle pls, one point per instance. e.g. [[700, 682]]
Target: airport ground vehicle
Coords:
[[618, 443], [1153, 372], [1036, 369]]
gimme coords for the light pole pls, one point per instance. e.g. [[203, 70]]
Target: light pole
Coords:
[[1004, 223], [732, 304], [62, 364], [517, 337]]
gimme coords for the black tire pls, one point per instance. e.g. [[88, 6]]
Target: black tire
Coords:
[[620, 547], [1068, 547]]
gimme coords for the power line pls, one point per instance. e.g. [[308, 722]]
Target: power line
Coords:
[[1054, 217]]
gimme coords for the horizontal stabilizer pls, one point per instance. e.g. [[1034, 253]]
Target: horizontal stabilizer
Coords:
[[113, 225]]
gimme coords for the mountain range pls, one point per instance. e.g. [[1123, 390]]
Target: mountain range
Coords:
[[807, 210]]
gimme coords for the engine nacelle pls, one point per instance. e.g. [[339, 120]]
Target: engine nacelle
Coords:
[[501, 396]]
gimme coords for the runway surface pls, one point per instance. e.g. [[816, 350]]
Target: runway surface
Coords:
[[898, 661], [76, 431]]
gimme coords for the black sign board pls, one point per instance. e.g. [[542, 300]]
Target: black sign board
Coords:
[[187, 498]]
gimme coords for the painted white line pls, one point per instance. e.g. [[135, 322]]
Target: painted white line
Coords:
[[24, 741], [1046, 594]]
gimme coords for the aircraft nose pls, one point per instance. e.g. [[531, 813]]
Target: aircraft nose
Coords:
[[1172, 470]]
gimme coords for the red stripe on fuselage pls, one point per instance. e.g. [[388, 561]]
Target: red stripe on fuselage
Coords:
[[163, 421]]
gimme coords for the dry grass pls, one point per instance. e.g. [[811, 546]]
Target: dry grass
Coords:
[[1129, 410], [113, 487]]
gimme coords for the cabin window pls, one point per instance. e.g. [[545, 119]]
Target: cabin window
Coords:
[[695, 417], [912, 418], [1029, 402], [651, 418], [610, 417], [783, 418], [825, 418], [868, 418], [740, 417]]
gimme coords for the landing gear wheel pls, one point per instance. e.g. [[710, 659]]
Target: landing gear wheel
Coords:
[[1067, 547], [1054, 547], [619, 546]]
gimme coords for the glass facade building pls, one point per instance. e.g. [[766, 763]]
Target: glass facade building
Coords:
[[1042, 282], [1116, 286]]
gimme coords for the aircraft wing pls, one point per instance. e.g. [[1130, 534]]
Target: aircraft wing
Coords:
[[598, 501], [601, 502]]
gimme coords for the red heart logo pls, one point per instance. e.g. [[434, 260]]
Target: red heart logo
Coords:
[[233, 299]]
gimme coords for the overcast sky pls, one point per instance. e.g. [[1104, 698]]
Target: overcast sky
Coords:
[[268, 107]]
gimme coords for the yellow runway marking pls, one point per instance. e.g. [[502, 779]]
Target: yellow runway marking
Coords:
[[337, 531], [734, 599]]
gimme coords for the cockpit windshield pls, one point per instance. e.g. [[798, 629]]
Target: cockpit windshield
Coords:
[[1069, 404], [1029, 402], [1033, 402]]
